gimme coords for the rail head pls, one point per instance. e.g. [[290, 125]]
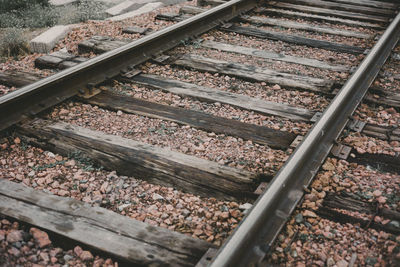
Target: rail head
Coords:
[[50, 91], [254, 236]]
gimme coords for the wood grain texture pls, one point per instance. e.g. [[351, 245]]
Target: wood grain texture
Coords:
[[18, 78], [100, 44], [303, 26], [58, 60], [371, 3], [192, 10], [349, 6], [196, 119], [272, 56], [253, 73], [329, 12], [349, 201], [294, 39], [314, 17], [214, 95], [337, 216], [382, 132], [382, 162], [99, 228], [387, 99], [154, 164]]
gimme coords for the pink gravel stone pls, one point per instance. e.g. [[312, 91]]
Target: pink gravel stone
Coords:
[[41, 238]]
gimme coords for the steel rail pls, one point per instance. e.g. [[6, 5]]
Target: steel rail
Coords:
[[50, 91], [251, 241]]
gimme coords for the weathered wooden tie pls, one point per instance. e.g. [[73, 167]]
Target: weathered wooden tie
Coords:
[[293, 39], [313, 17], [349, 201], [132, 158], [196, 119], [383, 162], [192, 10], [329, 12], [370, 3], [18, 78], [58, 60], [253, 73], [172, 17], [211, 3], [131, 241], [387, 99], [349, 6], [136, 30], [303, 26], [100, 44], [335, 201], [272, 56], [213, 95], [381, 132]]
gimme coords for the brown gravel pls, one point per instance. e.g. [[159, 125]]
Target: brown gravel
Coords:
[[76, 177], [225, 150], [367, 144], [378, 115], [340, 175], [311, 240], [28, 246]]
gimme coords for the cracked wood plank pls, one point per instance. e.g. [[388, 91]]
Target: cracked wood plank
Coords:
[[272, 56], [124, 238], [294, 39], [313, 17], [344, 7], [132, 158], [253, 73], [214, 95], [329, 12], [304, 27], [200, 120]]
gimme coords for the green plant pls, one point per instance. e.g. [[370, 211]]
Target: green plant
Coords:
[[83, 11], [13, 43], [38, 14], [85, 163], [12, 5], [35, 16], [47, 166]]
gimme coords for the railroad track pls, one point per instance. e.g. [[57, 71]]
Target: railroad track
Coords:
[[214, 41]]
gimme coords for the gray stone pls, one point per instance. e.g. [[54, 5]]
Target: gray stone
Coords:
[[135, 29], [61, 2], [68, 257], [330, 262], [185, 212], [126, 6], [144, 9], [47, 40], [124, 206], [395, 224], [157, 197], [245, 206], [14, 236], [299, 218]]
